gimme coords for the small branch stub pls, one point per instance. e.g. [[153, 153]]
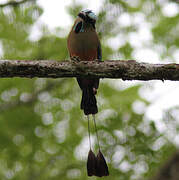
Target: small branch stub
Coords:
[[124, 69]]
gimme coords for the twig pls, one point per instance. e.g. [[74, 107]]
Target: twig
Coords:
[[13, 3]]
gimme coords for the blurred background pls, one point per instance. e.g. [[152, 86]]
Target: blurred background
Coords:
[[43, 132]]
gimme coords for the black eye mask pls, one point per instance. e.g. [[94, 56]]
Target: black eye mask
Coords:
[[82, 16]]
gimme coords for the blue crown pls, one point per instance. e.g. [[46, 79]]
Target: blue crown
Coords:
[[90, 14]]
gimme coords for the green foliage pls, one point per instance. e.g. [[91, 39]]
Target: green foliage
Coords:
[[43, 132]]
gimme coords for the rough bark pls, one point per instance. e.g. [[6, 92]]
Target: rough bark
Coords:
[[126, 70]]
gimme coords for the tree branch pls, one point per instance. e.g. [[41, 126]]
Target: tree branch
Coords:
[[126, 70], [13, 3]]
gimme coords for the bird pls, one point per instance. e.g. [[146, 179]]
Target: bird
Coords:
[[84, 45]]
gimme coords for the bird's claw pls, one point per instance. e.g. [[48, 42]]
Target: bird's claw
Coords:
[[75, 59]]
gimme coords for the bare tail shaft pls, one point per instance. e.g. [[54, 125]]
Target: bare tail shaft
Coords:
[[96, 130]]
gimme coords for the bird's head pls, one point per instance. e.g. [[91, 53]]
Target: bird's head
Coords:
[[86, 20], [88, 16]]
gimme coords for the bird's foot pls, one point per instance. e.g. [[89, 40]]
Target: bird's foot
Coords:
[[75, 59]]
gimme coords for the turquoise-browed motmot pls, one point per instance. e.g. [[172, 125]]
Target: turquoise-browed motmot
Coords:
[[84, 45]]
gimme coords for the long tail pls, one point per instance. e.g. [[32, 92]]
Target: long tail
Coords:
[[88, 101]]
